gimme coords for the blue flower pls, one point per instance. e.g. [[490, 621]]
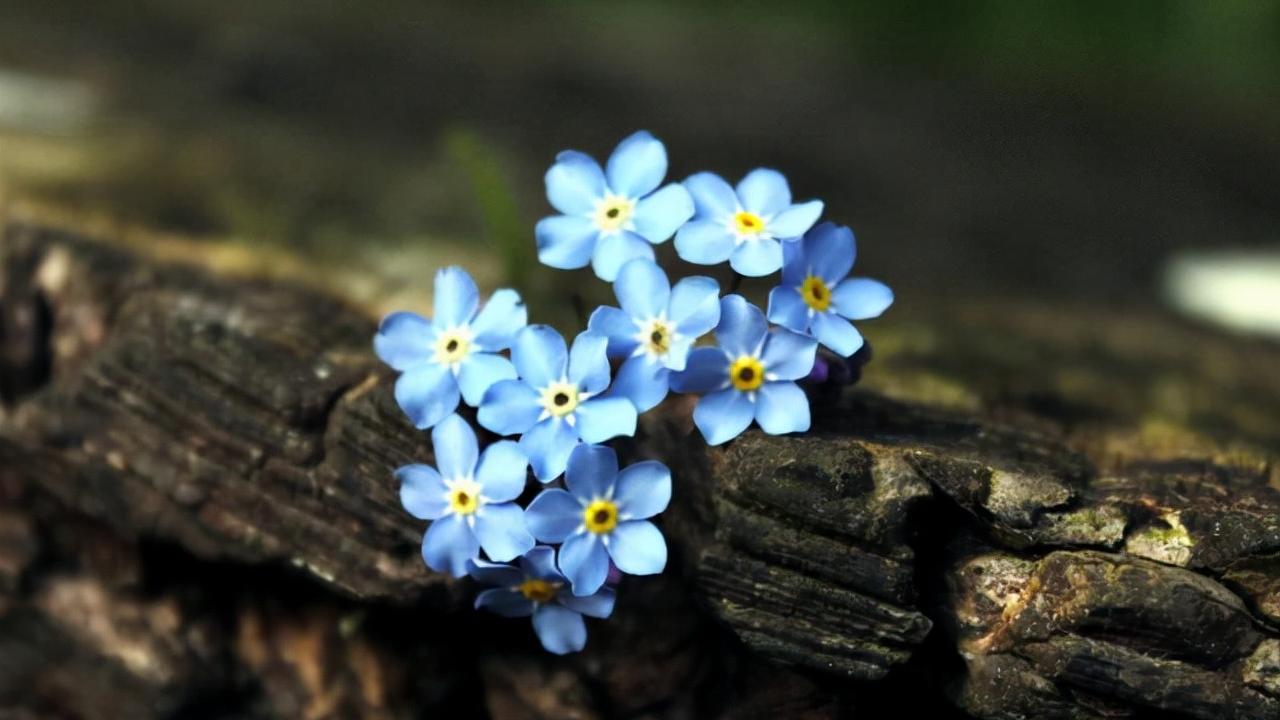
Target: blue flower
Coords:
[[536, 588], [750, 375], [610, 216], [815, 298], [470, 503], [554, 402], [453, 353], [743, 226], [655, 329], [603, 515]]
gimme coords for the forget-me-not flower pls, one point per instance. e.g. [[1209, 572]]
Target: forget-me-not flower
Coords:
[[554, 403], [603, 515], [613, 215], [469, 499], [655, 328], [537, 588], [743, 225], [749, 376], [453, 353], [815, 297]]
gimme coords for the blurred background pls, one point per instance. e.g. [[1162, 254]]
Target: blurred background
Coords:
[[1062, 151]]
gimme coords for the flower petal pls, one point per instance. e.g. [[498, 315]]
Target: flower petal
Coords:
[[598, 605], [862, 298], [456, 298], [499, 320], [638, 548], [742, 328], [788, 309], [566, 242], [559, 629], [600, 419], [658, 216], [548, 445], [504, 602], [540, 563], [540, 355], [795, 263], [554, 515], [707, 369], [637, 165], [574, 183], [592, 471], [501, 531], [704, 242], [588, 363], [479, 372], [510, 407], [585, 562], [427, 393], [448, 546], [643, 289], [678, 352], [713, 198], [422, 492], [613, 251], [795, 220], [757, 258], [502, 471], [404, 340], [694, 307], [829, 250], [643, 490], [455, 446], [723, 415], [618, 327], [788, 355], [490, 573], [642, 381], [781, 407], [836, 333], [764, 191]]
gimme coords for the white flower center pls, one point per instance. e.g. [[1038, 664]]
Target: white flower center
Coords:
[[452, 346], [613, 214]]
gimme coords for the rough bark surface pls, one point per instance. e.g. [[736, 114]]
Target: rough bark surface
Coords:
[[1022, 512]]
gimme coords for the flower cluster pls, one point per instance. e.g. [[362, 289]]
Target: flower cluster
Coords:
[[556, 404]]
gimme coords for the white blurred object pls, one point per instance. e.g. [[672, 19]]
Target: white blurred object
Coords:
[[42, 104], [1237, 289]]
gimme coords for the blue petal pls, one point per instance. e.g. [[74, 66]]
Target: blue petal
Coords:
[[502, 471], [501, 531], [677, 355], [782, 408], [764, 191], [795, 263], [829, 249], [592, 471], [404, 340], [757, 258], [554, 515], [479, 372], [599, 605], [658, 216], [455, 446], [643, 289], [422, 493], [742, 328], [574, 183], [723, 415], [540, 355], [796, 220], [713, 198], [499, 320], [706, 370], [588, 363], [427, 393], [642, 381], [448, 545], [510, 407], [788, 355], [836, 333], [637, 165], [566, 242], [862, 298], [540, 563], [614, 251], [585, 562], [600, 419], [499, 574], [704, 242], [788, 309], [637, 548], [548, 445], [505, 602], [456, 298], [618, 327], [559, 629], [695, 306], [643, 490]]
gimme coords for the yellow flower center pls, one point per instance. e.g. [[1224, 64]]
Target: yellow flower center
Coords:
[[657, 337], [613, 213], [539, 591], [601, 516], [816, 294], [746, 373], [464, 497], [560, 399], [452, 346], [748, 223]]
